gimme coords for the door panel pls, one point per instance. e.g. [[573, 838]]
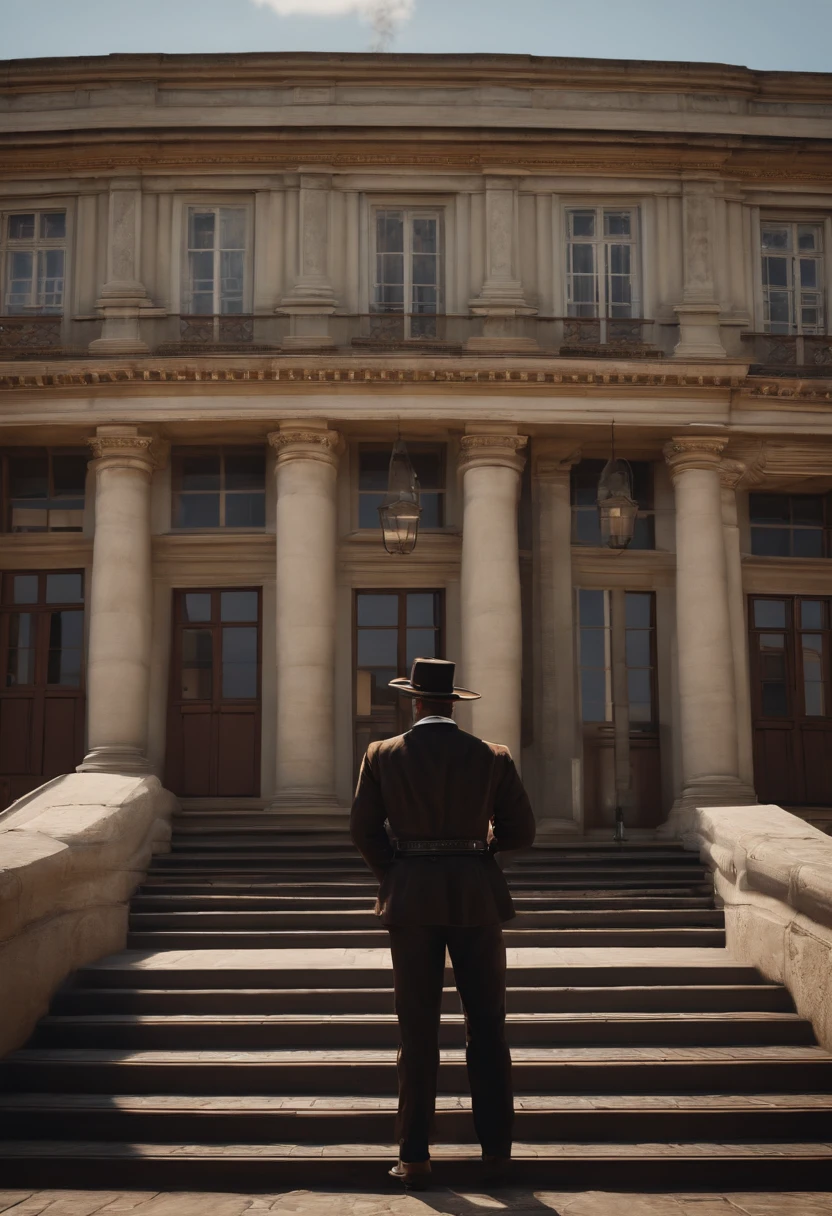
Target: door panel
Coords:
[[214, 713], [791, 680], [42, 701]]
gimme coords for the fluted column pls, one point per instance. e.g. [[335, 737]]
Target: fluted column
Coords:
[[306, 471], [707, 688], [491, 463], [731, 473], [118, 666]]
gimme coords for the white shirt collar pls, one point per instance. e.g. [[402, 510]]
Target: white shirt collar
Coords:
[[434, 718]]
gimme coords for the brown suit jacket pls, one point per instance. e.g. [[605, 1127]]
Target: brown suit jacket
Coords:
[[437, 782]]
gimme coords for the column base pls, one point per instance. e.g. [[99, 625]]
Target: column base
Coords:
[[110, 759], [704, 791], [699, 335]]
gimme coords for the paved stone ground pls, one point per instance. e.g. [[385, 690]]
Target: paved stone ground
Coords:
[[434, 1203]]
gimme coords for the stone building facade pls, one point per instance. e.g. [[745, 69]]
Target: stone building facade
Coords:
[[230, 282]]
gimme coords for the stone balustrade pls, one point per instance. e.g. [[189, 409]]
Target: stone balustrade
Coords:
[[773, 873], [73, 852]]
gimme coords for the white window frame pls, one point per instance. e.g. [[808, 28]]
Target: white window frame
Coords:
[[181, 287], [820, 255], [601, 272], [409, 214], [38, 246]]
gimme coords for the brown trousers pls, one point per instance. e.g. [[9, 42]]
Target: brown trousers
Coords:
[[478, 956]]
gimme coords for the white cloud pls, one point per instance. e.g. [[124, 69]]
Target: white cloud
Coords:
[[370, 10]]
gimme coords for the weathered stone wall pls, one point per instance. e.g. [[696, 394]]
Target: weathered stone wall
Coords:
[[71, 855], [774, 874]]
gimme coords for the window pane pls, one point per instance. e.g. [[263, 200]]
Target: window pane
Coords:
[[637, 609], [814, 696], [591, 608], [644, 533], [619, 259], [616, 223], [22, 227], [368, 505], [638, 648], [594, 705], [774, 700], [583, 259], [379, 610], [378, 648], [812, 614], [231, 283], [372, 470], [421, 609], [770, 614], [425, 231], [807, 509], [232, 228], [198, 511], [69, 475], [587, 527], [593, 647], [66, 631], [238, 606], [776, 237], [776, 272], [53, 225], [432, 510], [197, 664], [808, 236], [201, 472], [809, 272], [29, 476], [807, 542], [582, 223], [770, 542], [245, 510], [239, 663], [25, 589], [64, 588], [246, 471], [20, 661], [19, 288], [424, 269], [638, 686], [421, 644], [390, 231], [198, 606], [201, 229]]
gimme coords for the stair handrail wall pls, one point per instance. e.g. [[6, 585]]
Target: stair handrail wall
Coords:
[[773, 875], [71, 856]]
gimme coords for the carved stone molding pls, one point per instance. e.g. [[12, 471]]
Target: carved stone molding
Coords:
[[492, 449], [731, 473], [694, 452], [306, 444], [776, 459], [121, 449]]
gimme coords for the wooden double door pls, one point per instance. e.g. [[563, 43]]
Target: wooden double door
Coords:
[[214, 710], [42, 701], [791, 698]]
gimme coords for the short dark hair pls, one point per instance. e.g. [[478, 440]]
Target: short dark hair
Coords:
[[442, 706]]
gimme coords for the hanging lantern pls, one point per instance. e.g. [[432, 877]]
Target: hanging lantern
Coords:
[[617, 509], [401, 510]]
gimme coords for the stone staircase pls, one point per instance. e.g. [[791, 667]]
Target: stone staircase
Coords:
[[245, 1038]]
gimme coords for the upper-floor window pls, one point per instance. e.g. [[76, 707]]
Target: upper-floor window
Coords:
[[219, 488], [586, 528], [601, 271], [791, 525], [215, 275], [407, 268], [428, 460], [43, 491], [33, 247], [792, 270]]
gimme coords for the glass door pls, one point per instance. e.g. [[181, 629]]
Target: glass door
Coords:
[[391, 629]]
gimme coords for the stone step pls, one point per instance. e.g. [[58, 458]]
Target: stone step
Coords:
[[329, 919], [185, 884], [279, 1031], [244, 1168], [252, 939], [722, 998], [541, 1119], [535, 1070], [210, 902]]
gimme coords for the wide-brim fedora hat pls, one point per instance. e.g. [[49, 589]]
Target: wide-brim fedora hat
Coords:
[[433, 679]]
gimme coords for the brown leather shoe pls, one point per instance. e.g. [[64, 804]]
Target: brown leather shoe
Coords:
[[496, 1171], [414, 1174]]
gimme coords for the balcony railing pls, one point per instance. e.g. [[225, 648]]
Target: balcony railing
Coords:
[[806, 354], [30, 334], [387, 329], [607, 336]]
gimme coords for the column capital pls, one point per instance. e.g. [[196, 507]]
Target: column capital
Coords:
[[686, 452], [553, 461], [300, 441], [124, 447], [494, 449]]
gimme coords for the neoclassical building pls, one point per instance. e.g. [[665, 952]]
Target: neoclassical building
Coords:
[[230, 282]]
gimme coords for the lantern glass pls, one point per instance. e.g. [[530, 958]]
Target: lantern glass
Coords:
[[617, 509], [401, 510]]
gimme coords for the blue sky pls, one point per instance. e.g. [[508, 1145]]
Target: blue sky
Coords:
[[793, 35]]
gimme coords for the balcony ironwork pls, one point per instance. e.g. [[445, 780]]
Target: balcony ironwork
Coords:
[[28, 335], [800, 354], [384, 330], [608, 336]]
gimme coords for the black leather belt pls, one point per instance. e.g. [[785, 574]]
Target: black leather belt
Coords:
[[435, 848]]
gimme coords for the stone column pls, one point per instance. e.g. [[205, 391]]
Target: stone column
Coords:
[[698, 313], [491, 464], [121, 604], [557, 745], [707, 688], [731, 473], [501, 301], [124, 299], [312, 300], [306, 471]]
